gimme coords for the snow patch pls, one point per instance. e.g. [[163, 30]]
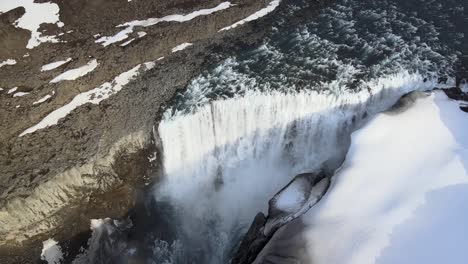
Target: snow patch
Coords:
[[94, 96], [260, 13], [7, 62], [19, 94], [53, 65], [141, 34], [35, 15], [12, 90], [51, 252], [129, 26], [43, 99], [74, 74], [181, 47], [381, 206], [127, 42]]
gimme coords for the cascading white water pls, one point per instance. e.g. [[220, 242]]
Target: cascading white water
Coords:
[[225, 161]]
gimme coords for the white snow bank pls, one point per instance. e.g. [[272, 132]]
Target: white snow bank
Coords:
[[181, 47], [54, 65], [94, 96], [400, 196], [129, 26], [35, 15], [260, 13], [7, 62], [51, 252], [74, 74]]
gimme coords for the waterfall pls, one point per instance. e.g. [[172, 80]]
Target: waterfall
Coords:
[[226, 159]]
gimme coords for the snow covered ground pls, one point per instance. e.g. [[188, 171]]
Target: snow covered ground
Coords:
[[400, 196]]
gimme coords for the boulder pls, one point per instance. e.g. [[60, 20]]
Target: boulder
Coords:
[[292, 201]]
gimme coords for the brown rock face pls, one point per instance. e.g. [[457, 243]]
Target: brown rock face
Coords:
[[13, 40]]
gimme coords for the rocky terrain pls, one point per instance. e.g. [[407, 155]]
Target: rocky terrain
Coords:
[[90, 162]]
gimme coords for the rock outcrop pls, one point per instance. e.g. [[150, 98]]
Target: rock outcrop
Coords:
[[295, 199]]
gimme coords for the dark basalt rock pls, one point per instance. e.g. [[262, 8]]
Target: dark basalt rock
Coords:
[[262, 229], [456, 93], [254, 241], [464, 108]]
